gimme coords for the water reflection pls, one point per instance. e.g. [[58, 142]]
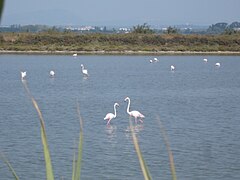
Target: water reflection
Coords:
[[136, 128]]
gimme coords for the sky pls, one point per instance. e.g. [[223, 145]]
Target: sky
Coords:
[[120, 12]]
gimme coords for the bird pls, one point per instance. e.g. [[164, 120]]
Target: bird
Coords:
[[151, 61], [84, 71], [135, 114], [52, 73], [217, 64], [172, 67], [75, 55], [205, 60], [110, 116], [155, 59], [23, 75]]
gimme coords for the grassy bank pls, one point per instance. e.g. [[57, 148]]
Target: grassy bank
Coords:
[[118, 43]]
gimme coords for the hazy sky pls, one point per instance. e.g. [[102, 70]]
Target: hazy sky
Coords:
[[120, 12]]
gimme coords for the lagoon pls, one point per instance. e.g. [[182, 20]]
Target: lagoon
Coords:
[[198, 104]]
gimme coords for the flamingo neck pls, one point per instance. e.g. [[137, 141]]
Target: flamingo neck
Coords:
[[128, 107], [115, 111]]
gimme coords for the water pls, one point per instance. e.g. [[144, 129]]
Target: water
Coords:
[[198, 104]]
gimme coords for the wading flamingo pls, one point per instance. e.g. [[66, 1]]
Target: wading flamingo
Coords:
[[75, 55], [23, 75], [52, 73], [217, 64], [205, 60], [110, 116], [172, 67], [84, 71], [135, 114]]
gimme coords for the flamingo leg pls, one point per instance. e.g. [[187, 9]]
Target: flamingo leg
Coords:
[[141, 120], [135, 120], [108, 122]]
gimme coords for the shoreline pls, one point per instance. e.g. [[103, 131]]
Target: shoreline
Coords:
[[123, 52]]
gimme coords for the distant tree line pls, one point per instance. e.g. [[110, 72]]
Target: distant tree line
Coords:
[[218, 28]]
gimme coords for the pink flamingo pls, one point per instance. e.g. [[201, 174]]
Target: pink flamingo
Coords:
[[135, 114], [110, 116]]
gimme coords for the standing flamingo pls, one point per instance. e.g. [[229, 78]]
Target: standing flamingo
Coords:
[[135, 114], [110, 116], [172, 67], [84, 71], [52, 73], [23, 75]]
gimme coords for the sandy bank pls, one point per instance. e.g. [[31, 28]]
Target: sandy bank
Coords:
[[124, 52]]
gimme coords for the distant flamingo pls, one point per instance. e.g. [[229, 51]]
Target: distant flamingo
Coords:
[[75, 55], [172, 67], [23, 75], [217, 64], [135, 114], [155, 59], [52, 73], [110, 116], [205, 60], [84, 71]]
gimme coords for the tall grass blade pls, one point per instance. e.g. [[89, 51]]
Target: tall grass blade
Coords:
[[170, 154], [144, 168], [74, 165], [77, 167], [48, 162], [9, 166]]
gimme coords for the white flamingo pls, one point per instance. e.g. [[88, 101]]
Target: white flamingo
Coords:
[[205, 60], [217, 64], [151, 61], [135, 114], [23, 75], [75, 55], [84, 71], [155, 59], [110, 116], [172, 67], [52, 73]]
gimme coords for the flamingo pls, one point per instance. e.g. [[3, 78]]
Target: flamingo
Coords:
[[135, 114], [75, 55], [84, 71], [217, 64], [172, 67], [52, 73], [205, 60], [150, 60], [23, 75], [110, 116], [155, 59]]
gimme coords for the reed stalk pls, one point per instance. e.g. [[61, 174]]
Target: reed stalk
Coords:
[[47, 157], [170, 154], [144, 168], [9, 166]]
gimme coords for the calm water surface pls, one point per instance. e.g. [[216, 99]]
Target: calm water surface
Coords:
[[198, 104]]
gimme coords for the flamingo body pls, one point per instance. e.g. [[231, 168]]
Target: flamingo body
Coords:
[[205, 60], [75, 55], [23, 75], [110, 116], [136, 114], [52, 73], [172, 67], [84, 71], [218, 64]]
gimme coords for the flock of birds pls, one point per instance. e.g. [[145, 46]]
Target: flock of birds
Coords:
[[136, 114], [109, 116]]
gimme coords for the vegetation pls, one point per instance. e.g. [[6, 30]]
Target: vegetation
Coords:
[[53, 41]]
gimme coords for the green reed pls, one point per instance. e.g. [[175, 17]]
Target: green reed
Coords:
[[144, 168]]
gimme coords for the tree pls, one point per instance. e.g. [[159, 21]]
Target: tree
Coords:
[[171, 30], [142, 29]]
